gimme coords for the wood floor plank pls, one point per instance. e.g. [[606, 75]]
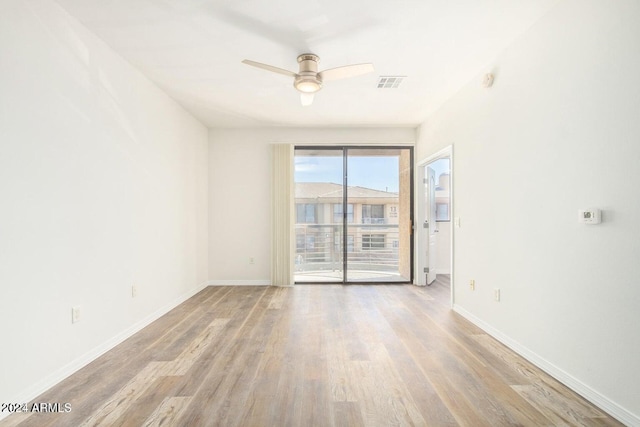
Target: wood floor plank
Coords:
[[220, 372], [485, 389], [235, 307], [260, 406], [237, 386], [343, 303], [339, 378], [333, 355], [347, 414], [383, 396], [540, 387], [290, 384], [127, 396], [15, 419], [560, 409], [448, 398], [185, 360], [147, 404], [431, 406], [168, 413], [444, 354], [278, 298]]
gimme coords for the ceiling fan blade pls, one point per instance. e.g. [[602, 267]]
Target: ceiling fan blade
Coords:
[[306, 99], [270, 68], [345, 72]]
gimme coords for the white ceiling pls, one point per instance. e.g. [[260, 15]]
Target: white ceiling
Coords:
[[193, 50]]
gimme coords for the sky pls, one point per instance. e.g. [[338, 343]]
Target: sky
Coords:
[[379, 173]]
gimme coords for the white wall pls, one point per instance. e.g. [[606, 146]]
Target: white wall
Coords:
[[103, 184], [239, 193], [559, 131]]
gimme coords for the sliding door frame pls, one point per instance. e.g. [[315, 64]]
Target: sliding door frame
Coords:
[[345, 155]]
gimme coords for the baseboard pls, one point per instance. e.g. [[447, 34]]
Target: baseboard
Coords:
[[601, 401], [239, 282], [74, 366]]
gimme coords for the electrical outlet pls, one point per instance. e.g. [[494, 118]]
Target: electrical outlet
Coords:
[[252, 260], [472, 285], [134, 291], [496, 294], [75, 314]]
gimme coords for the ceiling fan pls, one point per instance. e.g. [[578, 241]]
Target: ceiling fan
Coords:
[[308, 80]]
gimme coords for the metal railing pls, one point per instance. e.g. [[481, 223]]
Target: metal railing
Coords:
[[370, 247], [374, 220]]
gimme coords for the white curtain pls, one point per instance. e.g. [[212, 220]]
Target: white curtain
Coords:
[[282, 215]]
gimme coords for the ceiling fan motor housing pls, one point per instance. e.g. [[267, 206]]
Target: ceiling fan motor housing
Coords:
[[307, 80]]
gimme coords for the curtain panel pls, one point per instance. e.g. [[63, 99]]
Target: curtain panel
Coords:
[[282, 211]]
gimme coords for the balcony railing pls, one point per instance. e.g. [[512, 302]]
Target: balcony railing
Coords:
[[370, 247], [374, 220]]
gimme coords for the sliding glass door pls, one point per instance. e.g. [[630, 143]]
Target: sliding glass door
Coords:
[[319, 176], [353, 214]]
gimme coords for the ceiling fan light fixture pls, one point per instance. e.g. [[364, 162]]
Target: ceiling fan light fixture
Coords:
[[308, 80], [307, 85], [306, 99]]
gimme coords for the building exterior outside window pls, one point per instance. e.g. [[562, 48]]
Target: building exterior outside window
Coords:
[[337, 213], [372, 241], [373, 214], [372, 226], [305, 213]]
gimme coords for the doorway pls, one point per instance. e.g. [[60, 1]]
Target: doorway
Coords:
[[353, 214], [435, 233]]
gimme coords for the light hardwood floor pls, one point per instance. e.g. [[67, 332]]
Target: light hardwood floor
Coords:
[[313, 355]]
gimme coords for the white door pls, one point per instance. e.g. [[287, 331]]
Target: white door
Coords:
[[430, 222]]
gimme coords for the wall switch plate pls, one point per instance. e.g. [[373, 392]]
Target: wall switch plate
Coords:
[[496, 294], [134, 291], [456, 222], [472, 285], [252, 260], [75, 314]]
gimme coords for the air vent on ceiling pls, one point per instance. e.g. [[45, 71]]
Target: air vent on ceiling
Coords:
[[390, 82]]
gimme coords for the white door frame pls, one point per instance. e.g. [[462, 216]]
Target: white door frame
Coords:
[[420, 244]]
